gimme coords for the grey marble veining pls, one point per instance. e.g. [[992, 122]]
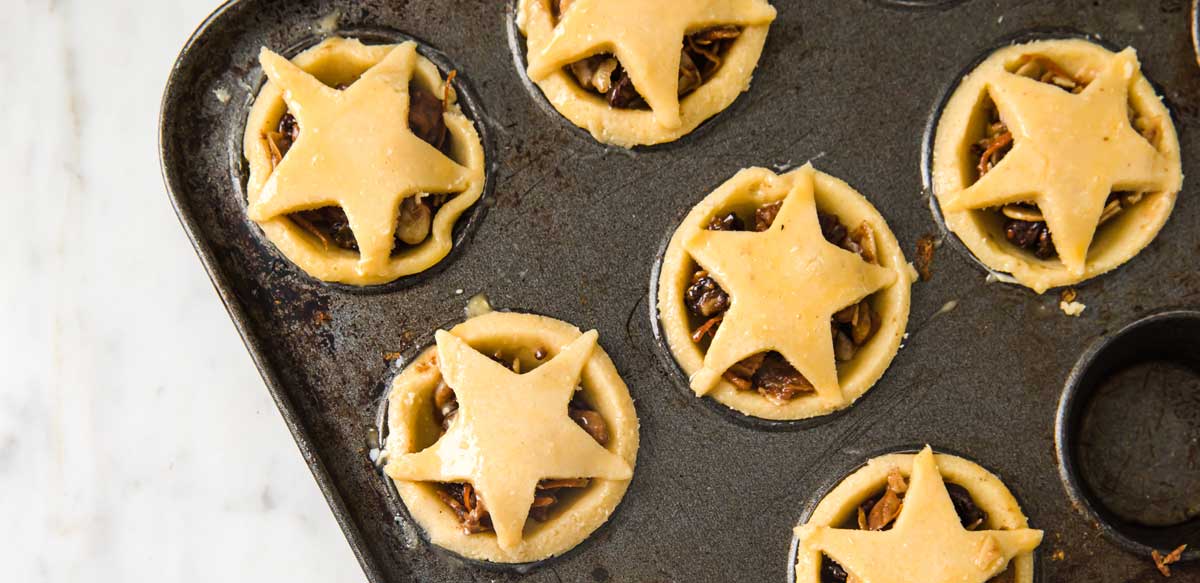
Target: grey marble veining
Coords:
[[136, 440]]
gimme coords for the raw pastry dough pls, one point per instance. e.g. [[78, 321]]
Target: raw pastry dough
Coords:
[[511, 431], [1069, 153], [647, 38], [356, 151], [927, 543], [785, 283]]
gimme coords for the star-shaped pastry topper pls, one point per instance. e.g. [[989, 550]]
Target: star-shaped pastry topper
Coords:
[[355, 150], [785, 284], [511, 431], [927, 543], [1069, 153], [646, 37]]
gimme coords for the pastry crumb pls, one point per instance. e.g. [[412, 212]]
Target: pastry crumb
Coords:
[[390, 356], [1058, 555], [328, 23], [1163, 562], [478, 305], [1073, 309], [320, 318]]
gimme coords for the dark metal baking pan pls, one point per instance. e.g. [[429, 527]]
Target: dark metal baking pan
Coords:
[[572, 229]]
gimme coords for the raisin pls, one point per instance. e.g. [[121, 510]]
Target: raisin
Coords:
[[968, 512], [765, 215], [777, 379], [831, 228], [729, 222], [1031, 236], [425, 116], [705, 298], [623, 95], [831, 572]]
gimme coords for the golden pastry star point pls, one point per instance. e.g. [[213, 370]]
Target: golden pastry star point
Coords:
[[355, 150], [1069, 179], [926, 544], [511, 431], [646, 38], [812, 279]]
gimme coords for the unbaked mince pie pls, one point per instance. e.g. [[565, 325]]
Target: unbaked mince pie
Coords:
[[633, 72], [360, 161], [1055, 161], [512, 439], [921, 517], [783, 296]]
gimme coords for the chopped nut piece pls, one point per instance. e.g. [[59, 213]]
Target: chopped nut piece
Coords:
[[885, 511], [414, 221], [864, 235], [843, 346], [591, 422], [689, 73], [864, 324], [1023, 212]]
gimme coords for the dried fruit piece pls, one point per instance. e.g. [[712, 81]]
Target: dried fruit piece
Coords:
[[926, 246], [1163, 562], [705, 298]]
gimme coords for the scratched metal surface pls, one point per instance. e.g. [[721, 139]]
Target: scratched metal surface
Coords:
[[572, 230]]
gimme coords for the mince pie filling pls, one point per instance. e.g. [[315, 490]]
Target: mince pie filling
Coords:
[[1024, 225], [415, 217], [702, 54], [769, 373], [464, 499], [880, 511]]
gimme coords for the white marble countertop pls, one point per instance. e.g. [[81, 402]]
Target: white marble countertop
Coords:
[[137, 441]]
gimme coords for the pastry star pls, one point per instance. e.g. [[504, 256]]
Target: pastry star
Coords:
[[510, 432], [785, 284], [355, 150], [1070, 152], [646, 36], [927, 543]]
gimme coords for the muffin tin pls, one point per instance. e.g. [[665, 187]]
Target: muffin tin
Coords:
[[572, 229]]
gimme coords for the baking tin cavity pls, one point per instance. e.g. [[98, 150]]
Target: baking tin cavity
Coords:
[[930, 135], [469, 103], [832, 480], [1127, 434]]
